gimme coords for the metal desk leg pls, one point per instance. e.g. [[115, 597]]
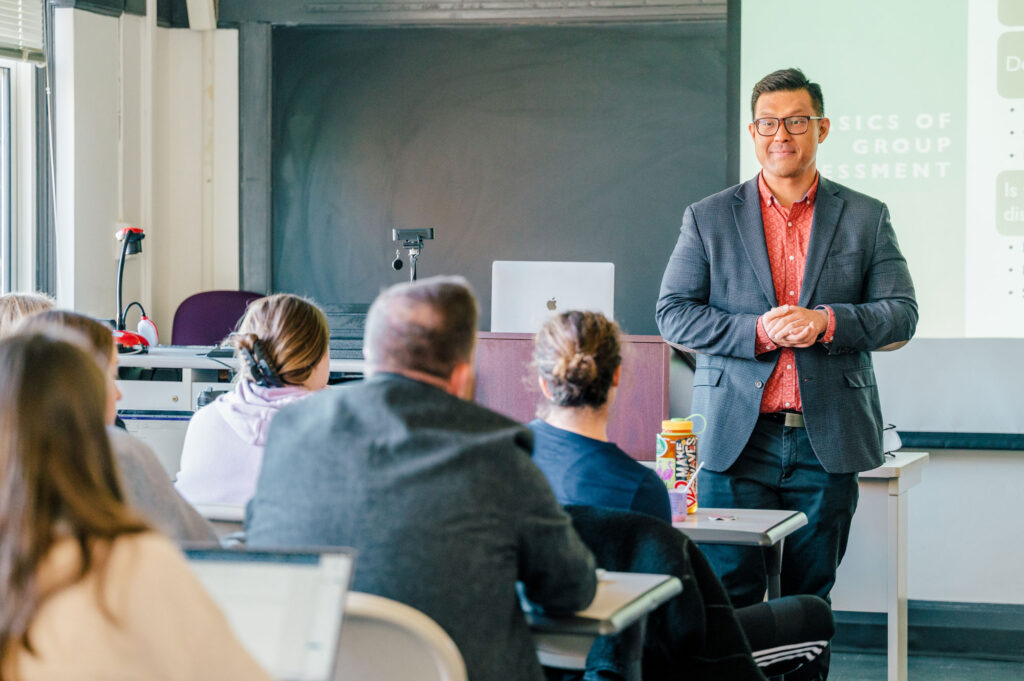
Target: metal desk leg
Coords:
[[896, 585], [773, 561]]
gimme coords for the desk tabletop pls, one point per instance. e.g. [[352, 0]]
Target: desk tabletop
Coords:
[[622, 598], [743, 526], [222, 512], [195, 357], [897, 465]]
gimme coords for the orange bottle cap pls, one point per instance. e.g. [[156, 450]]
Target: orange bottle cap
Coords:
[[676, 425]]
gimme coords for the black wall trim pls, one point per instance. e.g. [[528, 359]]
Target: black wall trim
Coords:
[[936, 440], [110, 8], [732, 87], [979, 630], [353, 12], [169, 13], [255, 237]]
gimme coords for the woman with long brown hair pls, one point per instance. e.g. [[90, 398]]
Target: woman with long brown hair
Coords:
[[146, 483], [87, 590]]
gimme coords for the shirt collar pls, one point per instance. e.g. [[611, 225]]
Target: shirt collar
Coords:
[[769, 199]]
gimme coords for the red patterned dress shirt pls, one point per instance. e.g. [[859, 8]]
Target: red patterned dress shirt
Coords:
[[786, 233]]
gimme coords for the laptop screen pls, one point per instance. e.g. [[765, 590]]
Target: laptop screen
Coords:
[[285, 607], [525, 293]]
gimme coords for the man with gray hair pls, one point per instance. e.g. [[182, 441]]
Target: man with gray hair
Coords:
[[438, 494]]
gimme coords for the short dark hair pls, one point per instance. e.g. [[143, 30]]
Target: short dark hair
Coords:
[[427, 326], [787, 80]]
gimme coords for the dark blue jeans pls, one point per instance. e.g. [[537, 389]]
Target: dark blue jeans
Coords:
[[777, 469]]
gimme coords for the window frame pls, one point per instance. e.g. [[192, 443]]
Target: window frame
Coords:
[[17, 175]]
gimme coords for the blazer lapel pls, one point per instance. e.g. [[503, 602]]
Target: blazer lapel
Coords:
[[746, 210], [827, 208]]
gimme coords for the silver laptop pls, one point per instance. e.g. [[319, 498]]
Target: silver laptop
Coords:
[[525, 293], [284, 606]]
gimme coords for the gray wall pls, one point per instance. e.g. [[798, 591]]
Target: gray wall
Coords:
[[515, 143]]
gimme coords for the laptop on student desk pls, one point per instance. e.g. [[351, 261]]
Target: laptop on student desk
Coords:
[[284, 606], [525, 293]]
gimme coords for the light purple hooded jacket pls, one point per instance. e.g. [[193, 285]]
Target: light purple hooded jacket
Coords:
[[223, 450]]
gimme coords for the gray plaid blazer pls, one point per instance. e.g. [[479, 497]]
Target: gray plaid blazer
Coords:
[[719, 281]]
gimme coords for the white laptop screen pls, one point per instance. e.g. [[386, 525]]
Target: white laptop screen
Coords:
[[285, 607], [525, 293]]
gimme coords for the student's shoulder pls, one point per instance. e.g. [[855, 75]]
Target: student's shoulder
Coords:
[[139, 559]]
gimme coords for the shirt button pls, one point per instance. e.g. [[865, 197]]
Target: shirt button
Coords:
[[789, 224], [789, 366], [792, 257], [792, 293], [787, 404], [759, 384]]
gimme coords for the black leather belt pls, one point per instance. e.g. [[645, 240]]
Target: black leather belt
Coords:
[[792, 419]]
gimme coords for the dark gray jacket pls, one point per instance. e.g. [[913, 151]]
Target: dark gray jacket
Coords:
[[441, 500], [719, 281]]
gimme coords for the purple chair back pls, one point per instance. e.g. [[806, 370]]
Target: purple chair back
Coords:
[[208, 317]]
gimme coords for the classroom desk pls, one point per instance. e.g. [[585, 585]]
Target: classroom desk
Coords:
[[746, 527], [198, 372], [872, 578], [622, 599], [227, 519]]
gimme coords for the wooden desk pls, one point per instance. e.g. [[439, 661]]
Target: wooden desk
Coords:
[[870, 582], [622, 599], [746, 527]]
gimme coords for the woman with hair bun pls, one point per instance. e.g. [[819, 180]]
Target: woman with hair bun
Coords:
[[579, 364], [282, 348]]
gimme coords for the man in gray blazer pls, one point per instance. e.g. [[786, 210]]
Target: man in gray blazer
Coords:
[[784, 285], [438, 495]]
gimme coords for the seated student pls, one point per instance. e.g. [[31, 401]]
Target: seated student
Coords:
[[578, 361], [579, 364], [87, 591], [15, 306], [437, 494], [147, 485], [282, 345]]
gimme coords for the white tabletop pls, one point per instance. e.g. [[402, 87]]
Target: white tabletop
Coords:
[[195, 357], [899, 464], [222, 512], [753, 527], [622, 598]]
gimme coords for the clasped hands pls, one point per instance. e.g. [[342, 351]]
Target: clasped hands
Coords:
[[791, 326]]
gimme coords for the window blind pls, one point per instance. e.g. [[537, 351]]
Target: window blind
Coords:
[[21, 29]]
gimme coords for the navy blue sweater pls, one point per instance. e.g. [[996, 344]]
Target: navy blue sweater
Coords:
[[587, 472]]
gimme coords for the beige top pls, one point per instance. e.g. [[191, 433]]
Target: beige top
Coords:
[[165, 626]]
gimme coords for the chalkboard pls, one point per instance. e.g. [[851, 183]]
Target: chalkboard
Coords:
[[569, 142]]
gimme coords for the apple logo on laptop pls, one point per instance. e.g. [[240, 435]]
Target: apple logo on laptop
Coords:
[[552, 304]]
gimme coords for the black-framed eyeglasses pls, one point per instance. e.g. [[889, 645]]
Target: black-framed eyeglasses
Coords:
[[795, 125]]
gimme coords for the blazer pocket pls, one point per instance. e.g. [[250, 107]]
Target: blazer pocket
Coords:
[[844, 260], [709, 377], [860, 378]]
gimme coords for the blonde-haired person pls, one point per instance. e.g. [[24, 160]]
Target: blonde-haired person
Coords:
[[579, 366], [89, 592], [145, 481], [15, 306], [282, 346]]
